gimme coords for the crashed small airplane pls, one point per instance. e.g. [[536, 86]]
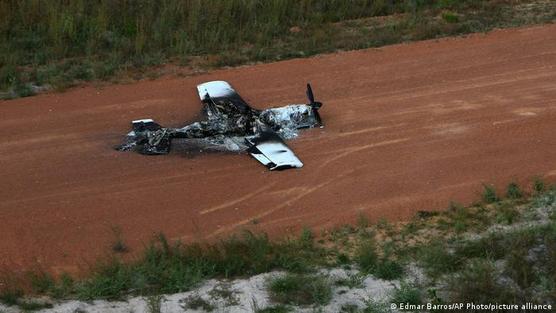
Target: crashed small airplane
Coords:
[[231, 124]]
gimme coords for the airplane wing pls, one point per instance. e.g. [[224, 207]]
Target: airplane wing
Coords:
[[220, 98], [269, 149]]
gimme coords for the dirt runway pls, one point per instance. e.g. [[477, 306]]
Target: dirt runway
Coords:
[[408, 127]]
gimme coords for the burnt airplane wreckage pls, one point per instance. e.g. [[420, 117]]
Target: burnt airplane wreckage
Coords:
[[231, 124]]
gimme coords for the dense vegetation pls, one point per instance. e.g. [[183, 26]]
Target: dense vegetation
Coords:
[[59, 43]]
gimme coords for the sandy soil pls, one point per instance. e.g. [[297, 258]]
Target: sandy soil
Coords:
[[408, 127]]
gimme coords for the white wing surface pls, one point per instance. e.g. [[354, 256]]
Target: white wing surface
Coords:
[[269, 149]]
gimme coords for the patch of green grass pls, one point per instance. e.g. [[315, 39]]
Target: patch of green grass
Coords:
[[477, 283], [549, 239], [382, 267], [41, 282], [63, 287], [490, 247], [307, 238], [10, 296], [407, 293], [63, 44], [489, 194], [367, 257], [342, 259], [539, 186], [170, 268], [300, 289], [461, 219], [480, 279], [519, 268], [450, 17], [388, 269], [436, 259], [513, 191], [497, 245]]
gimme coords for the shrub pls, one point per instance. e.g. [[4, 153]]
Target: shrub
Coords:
[[539, 185], [388, 269], [493, 246], [519, 268], [489, 194], [41, 282], [513, 191], [477, 283], [367, 257], [436, 259], [381, 267]]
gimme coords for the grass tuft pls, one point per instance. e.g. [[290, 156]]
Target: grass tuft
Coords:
[[539, 185], [489, 194], [10, 296], [381, 267], [477, 283], [436, 260], [407, 294], [300, 289], [367, 258], [513, 191]]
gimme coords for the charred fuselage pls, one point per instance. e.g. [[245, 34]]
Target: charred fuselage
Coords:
[[229, 123]]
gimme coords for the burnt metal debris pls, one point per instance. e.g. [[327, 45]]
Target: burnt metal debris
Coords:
[[231, 124]]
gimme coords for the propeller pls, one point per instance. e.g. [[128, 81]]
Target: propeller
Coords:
[[311, 97], [314, 104]]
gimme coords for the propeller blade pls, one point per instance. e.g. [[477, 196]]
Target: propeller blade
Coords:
[[317, 117], [310, 95]]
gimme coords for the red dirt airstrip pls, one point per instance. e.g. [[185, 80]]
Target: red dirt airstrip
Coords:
[[408, 127]]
